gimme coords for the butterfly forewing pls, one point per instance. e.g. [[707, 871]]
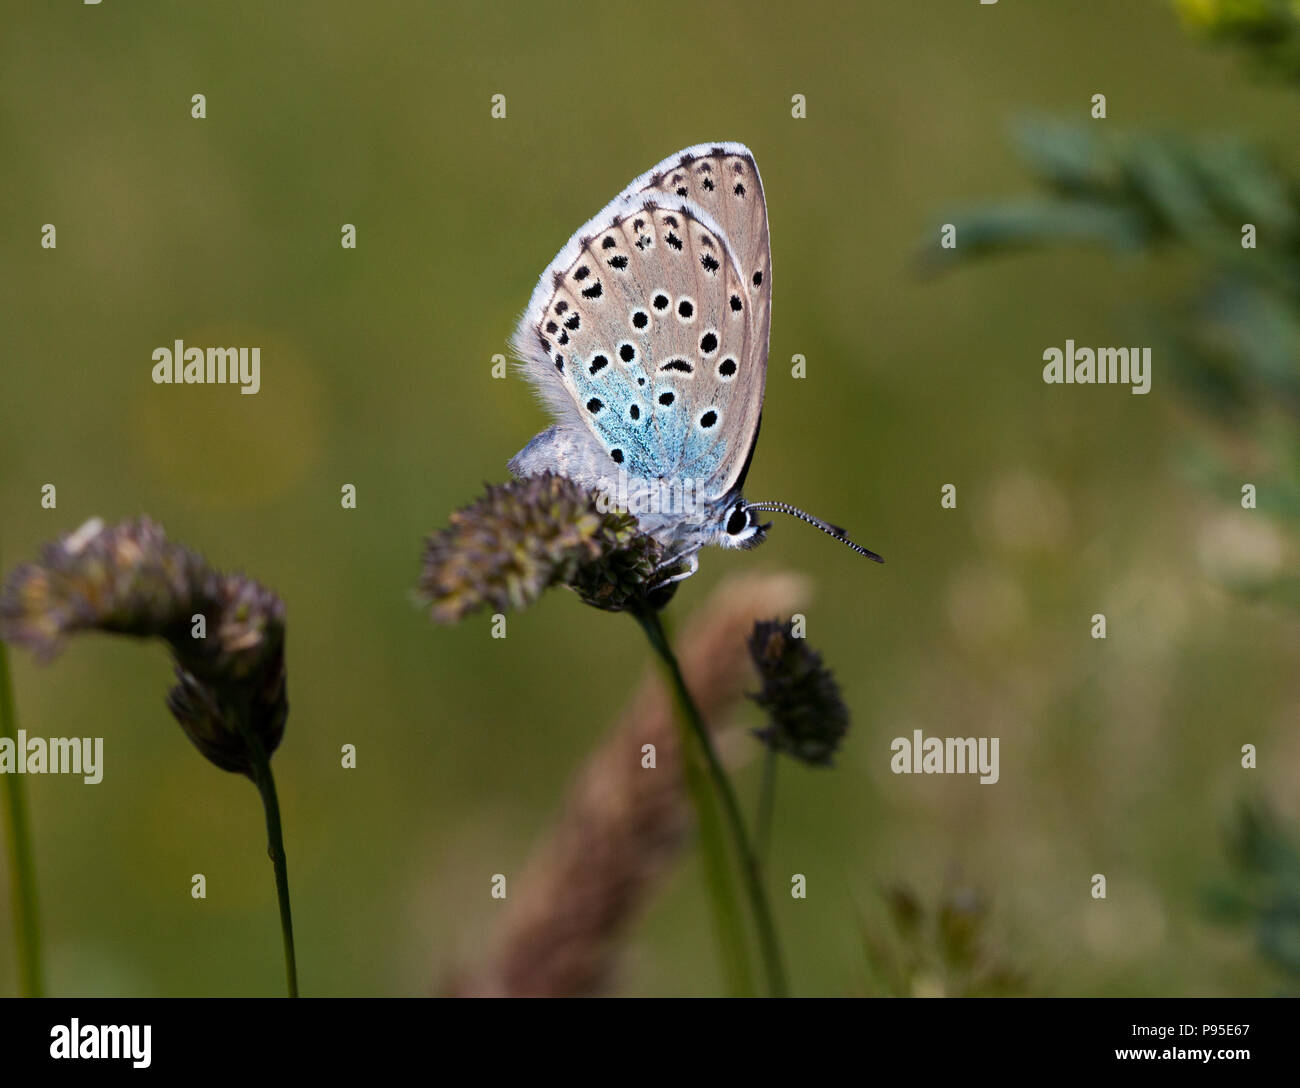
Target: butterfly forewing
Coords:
[[724, 181]]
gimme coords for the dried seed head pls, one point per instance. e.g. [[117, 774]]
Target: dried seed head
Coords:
[[527, 535], [130, 579], [807, 718]]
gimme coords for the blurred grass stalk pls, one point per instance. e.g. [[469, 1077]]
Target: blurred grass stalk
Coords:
[[622, 825], [22, 866]]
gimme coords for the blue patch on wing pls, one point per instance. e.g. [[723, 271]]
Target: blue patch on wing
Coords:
[[703, 453], [618, 412]]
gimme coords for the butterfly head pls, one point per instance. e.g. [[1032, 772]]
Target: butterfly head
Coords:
[[741, 527]]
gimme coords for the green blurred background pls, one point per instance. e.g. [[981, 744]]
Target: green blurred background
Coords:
[[1120, 757]]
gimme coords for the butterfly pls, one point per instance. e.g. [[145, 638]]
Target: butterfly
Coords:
[[647, 338]]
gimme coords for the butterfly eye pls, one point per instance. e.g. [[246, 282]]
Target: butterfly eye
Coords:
[[738, 520]]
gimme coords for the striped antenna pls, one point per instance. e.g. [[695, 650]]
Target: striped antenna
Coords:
[[825, 526]]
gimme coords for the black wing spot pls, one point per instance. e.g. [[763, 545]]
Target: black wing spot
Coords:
[[640, 319], [727, 367], [574, 321], [608, 243], [618, 263], [708, 185], [739, 190], [681, 191], [673, 241], [561, 306], [666, 399], [616, 456], [671, 220], [661, 302], [564, 338], [598, 364], [595, 405], [593, 291], [637, 224], [582, 273], [640, 381], [552, 327], [709, 344], [736, 306], [679, 364], [627, 353], [559, 363], [634, 412], [709, 262], [758, 279], [708, 419], [686, 309]]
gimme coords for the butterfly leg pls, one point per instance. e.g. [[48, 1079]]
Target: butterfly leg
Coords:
[[693, 564]]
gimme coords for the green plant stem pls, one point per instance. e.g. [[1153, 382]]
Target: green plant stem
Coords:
[[728, 920], [22, 866], [768, 943], [766, 804], [265, 783]]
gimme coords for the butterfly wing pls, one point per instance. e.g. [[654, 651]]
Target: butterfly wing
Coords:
[[723, 181], [647, 335]]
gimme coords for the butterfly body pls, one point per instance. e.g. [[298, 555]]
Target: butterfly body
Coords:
[[647, 338]]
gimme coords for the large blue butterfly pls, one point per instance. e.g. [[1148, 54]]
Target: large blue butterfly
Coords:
[[647, 338]]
